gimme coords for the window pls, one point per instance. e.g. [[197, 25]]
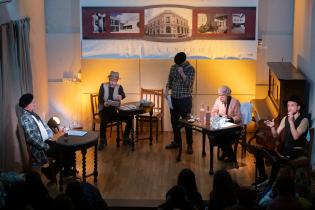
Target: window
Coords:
[[168, 29]]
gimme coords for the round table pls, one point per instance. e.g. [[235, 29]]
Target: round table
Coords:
[[71, 144], [139, 109]]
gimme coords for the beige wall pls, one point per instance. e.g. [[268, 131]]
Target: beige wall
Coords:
[[38, 52], [303, 53], [153, 74]]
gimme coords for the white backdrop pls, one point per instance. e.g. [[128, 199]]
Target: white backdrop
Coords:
[[195, 49]]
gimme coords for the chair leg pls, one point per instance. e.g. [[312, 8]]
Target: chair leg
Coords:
[[157, 130], [93, 126], [137, 131], [218, 153], [111, 129], [235, 154], [162, 124]]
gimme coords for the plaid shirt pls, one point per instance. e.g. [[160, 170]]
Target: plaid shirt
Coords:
[[181, 88], [33, 136]]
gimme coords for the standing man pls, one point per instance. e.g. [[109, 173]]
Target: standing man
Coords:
[[294, 126], [109, 96], [180, 82]]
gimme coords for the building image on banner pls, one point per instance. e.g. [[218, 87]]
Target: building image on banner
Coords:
[[168, 24]]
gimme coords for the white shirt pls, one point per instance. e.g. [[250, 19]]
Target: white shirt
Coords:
[[42, 128]]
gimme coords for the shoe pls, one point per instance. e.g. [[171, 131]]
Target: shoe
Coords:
[[223, 156], [49, 174], [230, 159], [68, 172], [102, 144], [189, 150], [100, 147], [126, 140], [172, 145], [261, 180]]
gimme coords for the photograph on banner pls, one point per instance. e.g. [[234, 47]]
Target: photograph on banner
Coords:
[[168, 24], [238, 23], [112, 23], [93, 22], [124, 22], [224, 23], [212, 23]]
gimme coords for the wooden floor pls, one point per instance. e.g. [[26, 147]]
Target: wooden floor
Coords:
[[149, 171]]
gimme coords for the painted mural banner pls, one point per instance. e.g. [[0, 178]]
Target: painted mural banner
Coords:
[[160, 31]]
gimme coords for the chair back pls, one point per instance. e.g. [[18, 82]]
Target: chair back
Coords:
[[94, 105], [155, 96], [246, 112], [309, 144]]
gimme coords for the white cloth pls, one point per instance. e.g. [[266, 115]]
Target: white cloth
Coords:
[[42, 129], [106, 91], [246, 112]]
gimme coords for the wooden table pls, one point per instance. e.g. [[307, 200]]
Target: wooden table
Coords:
[[148, 108], [73, 143], [205, 130]]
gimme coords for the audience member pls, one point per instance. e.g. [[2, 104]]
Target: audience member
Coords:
[[63, 202], [285, 198], [223, 194], [187, 180], [246, 200], [37, 194], [176, 198]]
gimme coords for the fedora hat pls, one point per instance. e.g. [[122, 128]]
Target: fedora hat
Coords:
[[295, 99], [114, 74]]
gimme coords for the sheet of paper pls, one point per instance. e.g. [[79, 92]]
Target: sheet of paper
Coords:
[[169, 102], [76, 133], [227, 124]]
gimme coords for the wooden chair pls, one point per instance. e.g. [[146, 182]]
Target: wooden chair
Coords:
[[155, 96], [242, 136], [304, 162], [96, 115]]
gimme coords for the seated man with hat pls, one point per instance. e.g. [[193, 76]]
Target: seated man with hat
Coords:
[[39, 136], [294, 127], [109, 96]]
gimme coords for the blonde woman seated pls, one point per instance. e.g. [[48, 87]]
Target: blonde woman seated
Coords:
[[226, 106]]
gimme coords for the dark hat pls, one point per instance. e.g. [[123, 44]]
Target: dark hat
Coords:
[[25, 100], [180, 58], [295, 99]]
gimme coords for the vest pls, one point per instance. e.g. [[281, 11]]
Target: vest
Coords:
[[290, 143], [106, 94]]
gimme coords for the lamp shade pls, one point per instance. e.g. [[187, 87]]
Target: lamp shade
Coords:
[[53, 124]]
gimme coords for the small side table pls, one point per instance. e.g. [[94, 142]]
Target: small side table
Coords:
[[74, 143]]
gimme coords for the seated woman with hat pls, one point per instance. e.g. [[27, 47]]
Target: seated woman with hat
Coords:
[[228, 107]]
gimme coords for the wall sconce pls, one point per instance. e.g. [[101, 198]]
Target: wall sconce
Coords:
[[53, 124]]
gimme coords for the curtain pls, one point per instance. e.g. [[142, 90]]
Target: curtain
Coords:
[[15, 80]]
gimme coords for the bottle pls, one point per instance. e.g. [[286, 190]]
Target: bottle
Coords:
[[208, 115], [202, 113]]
